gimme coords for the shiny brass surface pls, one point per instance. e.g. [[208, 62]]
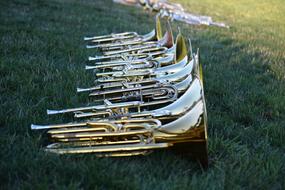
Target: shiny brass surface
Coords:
[[149, 95], [125, 38], [119, 67]]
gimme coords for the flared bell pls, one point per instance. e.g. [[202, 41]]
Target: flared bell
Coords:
[[148, 95]]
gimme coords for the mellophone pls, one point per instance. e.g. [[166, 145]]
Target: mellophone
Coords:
[[148, 95]]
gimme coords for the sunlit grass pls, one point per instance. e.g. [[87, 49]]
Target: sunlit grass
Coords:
[[42, 58]]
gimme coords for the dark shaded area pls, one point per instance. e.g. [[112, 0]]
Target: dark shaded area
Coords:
[[42, 61]]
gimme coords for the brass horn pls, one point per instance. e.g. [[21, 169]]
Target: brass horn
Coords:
[[126, 37], [148, 96], [164, 59], [184, 123], [187, 70], [180, 60]]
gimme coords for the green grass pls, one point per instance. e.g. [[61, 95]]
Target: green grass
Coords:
[[42, 58]]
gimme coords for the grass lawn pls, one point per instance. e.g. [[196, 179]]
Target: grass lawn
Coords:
[[42, 58]]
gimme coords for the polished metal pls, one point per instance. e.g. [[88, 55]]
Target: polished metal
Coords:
[[132, 73], [148, 96], [174, 11], [126, 38], [119, 67]]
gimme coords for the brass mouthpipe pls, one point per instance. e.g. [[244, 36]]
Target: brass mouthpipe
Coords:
[[84, 115], [153, 50], [191, 95], [109, 126], [150, 52], [110, 80], [89, 142], [98, 107], [119, 44], [118, 56], [127, 74], [113, 64], [184, 64], [74, 125], [37, 127], [112, 39], [117, 62], [144, 104], [111, 150], [100, 134], [147, 95], [110, 35], [72, 140], [79, 129], [124, 90], [131, 115], [96, 58], [130, 44], [129, 50], [115, 85]]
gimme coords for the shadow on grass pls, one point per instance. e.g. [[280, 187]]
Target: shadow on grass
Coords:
[[40, 68]]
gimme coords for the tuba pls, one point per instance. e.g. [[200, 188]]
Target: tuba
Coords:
[[138, 105]]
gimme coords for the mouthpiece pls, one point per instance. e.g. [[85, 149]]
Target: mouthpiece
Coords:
[[90, 46], [34, 127], [91, 58], [82, 115], [53, 145], [54, 150], [89, 67], [39, 127], [82, 89], [87, 38], [95, 58], [52, 112]]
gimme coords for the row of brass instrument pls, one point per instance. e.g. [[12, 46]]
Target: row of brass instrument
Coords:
[[148, 95]]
